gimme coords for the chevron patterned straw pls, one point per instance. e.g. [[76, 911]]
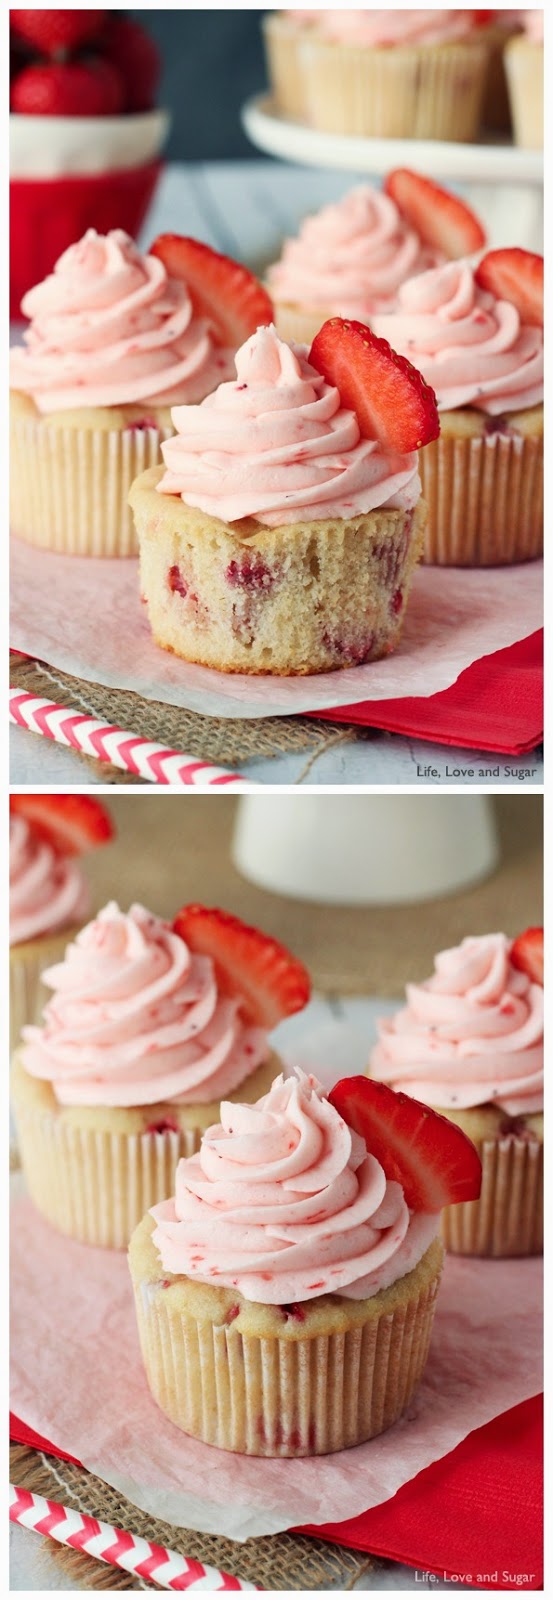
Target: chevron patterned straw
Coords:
[[143, 757], [118, 1549]]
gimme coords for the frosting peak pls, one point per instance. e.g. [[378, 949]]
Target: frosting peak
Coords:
[[278, 445], [109, 327], [136, 1018], [48, 892], [284, 1202], [471, 1035], [351, 257], [471, 348]]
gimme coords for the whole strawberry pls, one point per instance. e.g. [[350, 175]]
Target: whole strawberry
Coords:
[[53, 32], [68, 89], [136, 57]]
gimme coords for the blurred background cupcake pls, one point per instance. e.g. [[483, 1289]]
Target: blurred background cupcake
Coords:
[[94, 75], [524, 69], [380, 74]]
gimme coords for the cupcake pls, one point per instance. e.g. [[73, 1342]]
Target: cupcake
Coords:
[[49, 896], [470, 1044], [380, 74], [147, 1027], [284, 533], [477, 337], [115, 338], [350, 259], [285, 1294], [524, 70]]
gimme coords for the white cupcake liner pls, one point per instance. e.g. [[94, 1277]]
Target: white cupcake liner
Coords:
[[28, 994], [485, 499], [525, 79], [408, 91], [282, 1397], [96, 1186], [69, 487], [507, 1220]]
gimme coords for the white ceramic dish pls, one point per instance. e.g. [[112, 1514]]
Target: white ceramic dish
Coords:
[[466, 163], [54, 147]]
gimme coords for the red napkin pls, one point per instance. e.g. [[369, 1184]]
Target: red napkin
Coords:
[[496, 704], [478, 1511]]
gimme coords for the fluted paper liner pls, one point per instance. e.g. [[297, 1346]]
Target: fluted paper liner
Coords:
[[507, 1220], [523, 61], [69, 487], [282, 40], [485, 499], [417, 92], [28, 994], [97, 1185], [283, 1397], [298, 324]]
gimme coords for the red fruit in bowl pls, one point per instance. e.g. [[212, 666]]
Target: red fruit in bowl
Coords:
[[220, 289], [515, 275], [271, 982], [68, 89], [136, 57], [442, 220], [433, 1160], [71, 824], [52, 32], [527, 954], [392, 402]]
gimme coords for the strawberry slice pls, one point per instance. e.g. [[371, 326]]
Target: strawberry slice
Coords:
[[220, 289], [392, 402], [441, 219], [71, 824], [517, 276], [248, 963], [527, 954], [433, 1160]]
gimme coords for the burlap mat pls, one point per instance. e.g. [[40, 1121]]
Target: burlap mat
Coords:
[[218, 739], [283, 1561]]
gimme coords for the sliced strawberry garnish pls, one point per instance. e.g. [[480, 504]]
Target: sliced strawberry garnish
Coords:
[[517, 276], [527, 954], [70, 823], [391, 399], [219, 288], [441, 219], [433, 1160], [248, 963]]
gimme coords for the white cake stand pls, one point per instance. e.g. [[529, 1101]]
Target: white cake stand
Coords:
[[502, 182]]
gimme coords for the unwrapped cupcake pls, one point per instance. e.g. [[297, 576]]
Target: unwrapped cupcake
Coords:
[[115, 338], [393, 74], [148, 1027], [49, 896], [470, 1044], [476, 335], [284, 533], [285, 1294], [350, 259]]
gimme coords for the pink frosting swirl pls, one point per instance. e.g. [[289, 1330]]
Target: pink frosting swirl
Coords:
[[47, 892], [473, 349], [471, 1035], [350, 258], [109, 327], [392, 27], [284, 1203], [278, 445], [136, 1018]]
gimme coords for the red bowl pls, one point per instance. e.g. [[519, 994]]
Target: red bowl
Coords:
[[49, 214]]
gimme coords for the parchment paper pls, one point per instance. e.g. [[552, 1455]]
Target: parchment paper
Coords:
[[86, 618]]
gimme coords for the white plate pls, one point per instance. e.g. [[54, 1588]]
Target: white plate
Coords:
[[481, 163], [54, 147]]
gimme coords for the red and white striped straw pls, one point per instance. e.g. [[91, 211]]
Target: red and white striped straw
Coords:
[[118, 1549], [93, 737]]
